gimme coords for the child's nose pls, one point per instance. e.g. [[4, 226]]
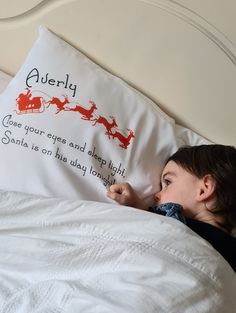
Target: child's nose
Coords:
[[157, 196]]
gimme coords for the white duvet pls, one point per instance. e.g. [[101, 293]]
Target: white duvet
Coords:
[[75, 256]]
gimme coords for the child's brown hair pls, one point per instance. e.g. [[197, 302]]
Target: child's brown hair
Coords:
[[219, 161]]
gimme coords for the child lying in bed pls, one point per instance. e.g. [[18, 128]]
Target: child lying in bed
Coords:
[[198, 187]]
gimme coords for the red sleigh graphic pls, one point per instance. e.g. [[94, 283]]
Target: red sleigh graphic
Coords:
[[26, 103]]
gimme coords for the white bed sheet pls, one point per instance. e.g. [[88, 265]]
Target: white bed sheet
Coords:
[[71, 256]]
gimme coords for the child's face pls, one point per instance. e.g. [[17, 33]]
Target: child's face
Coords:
[[178, 186]]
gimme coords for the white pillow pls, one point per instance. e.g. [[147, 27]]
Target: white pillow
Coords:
[[70, 129], [4, 81]]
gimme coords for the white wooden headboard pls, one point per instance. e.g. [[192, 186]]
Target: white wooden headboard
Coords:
[[181, 54]]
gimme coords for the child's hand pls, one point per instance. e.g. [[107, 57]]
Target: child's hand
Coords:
[[124, 194]]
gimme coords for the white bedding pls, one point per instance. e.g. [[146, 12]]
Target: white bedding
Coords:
[[77, 256], [4, 80]]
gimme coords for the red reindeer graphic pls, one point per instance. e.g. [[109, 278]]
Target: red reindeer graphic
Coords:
[[87, 114], [125, 141], [59, 104], [102, 120], [28, 104]]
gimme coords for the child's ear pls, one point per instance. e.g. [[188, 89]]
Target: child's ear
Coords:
[[207, 187]]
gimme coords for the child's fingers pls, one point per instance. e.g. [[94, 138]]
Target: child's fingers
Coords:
[[116, 188], [117, 192], [121, 188], [115, 196], [124, 194]]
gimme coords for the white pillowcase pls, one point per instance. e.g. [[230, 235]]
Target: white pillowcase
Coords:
[[4, 81], [70, 129]]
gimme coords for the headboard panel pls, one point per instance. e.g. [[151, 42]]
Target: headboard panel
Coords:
[[181, 54]]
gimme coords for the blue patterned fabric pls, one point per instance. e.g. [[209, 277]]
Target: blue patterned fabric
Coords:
[[171, 210]]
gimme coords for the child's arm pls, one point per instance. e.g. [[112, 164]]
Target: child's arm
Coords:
[[124, 194]]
